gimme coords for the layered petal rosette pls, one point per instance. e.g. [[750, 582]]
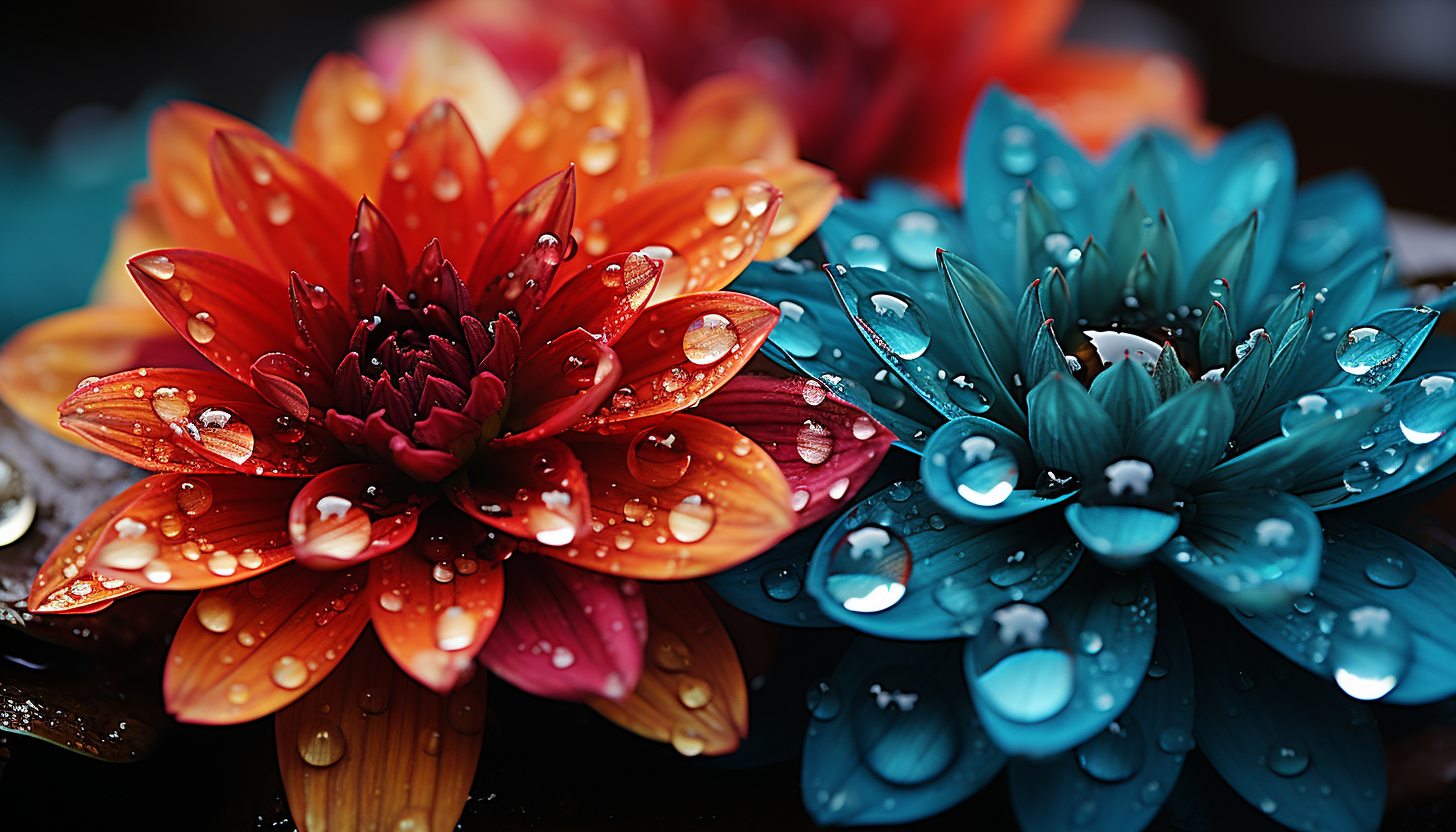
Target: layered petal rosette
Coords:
[[1144, 395]]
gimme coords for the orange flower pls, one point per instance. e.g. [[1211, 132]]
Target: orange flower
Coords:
[[872, 88]]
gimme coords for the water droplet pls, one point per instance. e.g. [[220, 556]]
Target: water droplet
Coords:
[[1017, 155], [658, 457], [201, 327], [1370, 651], [916, 235], [1268, 806], [693, 692], [797, 331], [1361, 476], [1364, 348], [667, 650], [1024, 671], [824, 701], [222, 432], [1426, 418], [709, 338], [374, 700], [238, 693], [687, 742], [721, 206], [1091, 642], [321, 742], [691, 519], [869, 569], [970, 395], [1175, 740], [1311, 407], [866, 251], [984, 472], [17, 504], [781, 584], [1013, 569], [864, 428], [155, 265], [1390, 571], [899, 323], [279, 209], [562, 657], [1289, 759], [600, 152], [756, 198], [455, 628], [214, 613], [289, 673], [814, 443], [1116, 753]]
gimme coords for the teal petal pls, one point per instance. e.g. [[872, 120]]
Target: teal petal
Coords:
[[1144, 286], [1042, 244], [1336, 220], [1122, 537], [1293, 306], [896, 566], [896, 229], [1069, 430], [1323, 765], [1246, 378], [1373, 353], [1037, 692], [1125, 390], [1230, 260], [1188, 434], [1124, 237], [1338, 305], [1253, 549], [1047, 356], [980, 472], [771, 586], [1098, 293], [1169, 377], [1161, 244], [893, 738], [1118, 780], [1281, 382], [1381, 616], [1139, 166], [1216, 338], [989, 315]]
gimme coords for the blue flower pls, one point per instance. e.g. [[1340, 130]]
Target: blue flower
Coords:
[[1133, 398]]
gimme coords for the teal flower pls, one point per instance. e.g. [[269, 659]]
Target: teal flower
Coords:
[[1134, 398]]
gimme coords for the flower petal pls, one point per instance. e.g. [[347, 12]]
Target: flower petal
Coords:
[[203, 422], [537, 491], [1069, 430], [894, 738], [809, 193], [566, 633], [705, 225], [439, 64], [825, 448], [680, 351], [559, 385], [370, 749], [596, 115], [68, 581], [352, 513], [178, 161], [692, 692], [437, 185], [1186, 435], [345, 123], [179, 531], [375, 259], [244, 651], [434, 603], [1405, 329], [771, 586], [713, 507], [723, 121], [980, 472], [603, 299], [1127, 393], [516, 264], [1122, 537], [294, 218]]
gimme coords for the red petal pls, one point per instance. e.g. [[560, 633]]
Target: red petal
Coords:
[[229, 311], [434, 603], [825, 448], [516, 263], [187, 198], [375, 259], [202, 422], [437, 185], [560, 384], [353, 513], [182, 531], [685, 498], [677, 352], [597, 116], [284, 381], [692, 692], [603, 299], [536, 492], [424, 464], [566, 633], [706, 225], [370, 749], [248, 649], [345, 123], [295, 218], [321, 321]]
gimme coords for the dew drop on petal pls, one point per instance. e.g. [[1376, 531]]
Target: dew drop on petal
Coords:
[[1287, 759], [1370, 651], [1364, 348], [201, 327], [215, 613], [721, 206], [782, 584], [658, 457], [709, 338], [447, 185], [898, 321], [155, 265], [797, 331], [691, 519], [288, 673], [1116, 753], [823, 700], [321, 742], [984, 472], [693, 692], [1427, 415], [915, 236], [1025, 672], [667, 650], [814, 443], [1017, 152], [455, 629], [869, 569], [863, 428], [194, 497]]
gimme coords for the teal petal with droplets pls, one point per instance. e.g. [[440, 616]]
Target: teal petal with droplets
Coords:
[[980, 472], [771, 586], [1373, 352], [1186, 435], [1069, 430], [1122, 537], [1126, 392]]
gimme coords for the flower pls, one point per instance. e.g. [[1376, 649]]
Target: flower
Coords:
[[871, 88], [400, 399], [1198, 387]]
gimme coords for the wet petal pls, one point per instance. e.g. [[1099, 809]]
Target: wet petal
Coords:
[[826, 449], [692, 692], [1126, 391], [352, 513], [517, 262], [990, 317], [290, 385], [673, 501], [535, 491], [1121, 536], [596, 115], [1336, 220], [566, 633], [680, 351], [369, 729], [1373, 353], [980, 472], [187, 198], [561, 384], [1187, 435], [809, 193], [1069, 430], [375, 259], [894, 566], [603, 299], [345, 123], [244, 651], [723, 121], [771, 586], [440, 64], [434, 602], [437, 185]]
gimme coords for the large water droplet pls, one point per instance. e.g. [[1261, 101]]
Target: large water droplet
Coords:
[[984, 471], [447, 186], [693, 692], [709, 338], [1288, 759], [222, 432], [866, 251], [721, 206], [969, 394], [667, 650], [1017, 153], [289, 673], [915, 237], [1025, 672], [898, 322], [691, 519], [17, 505], [1426, 418], [658, 457], [814, 443], [1370, 651], [194, 497], [202, 327], [1116, 753], [600, 152], [455, 629], [321, 742], [797, 331], [782, 584], [1304, 410], [215, 613], [1364, 348], [904, 701], [869, 569]]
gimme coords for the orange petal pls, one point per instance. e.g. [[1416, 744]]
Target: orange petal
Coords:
[[603, 299], [692, 692], [705, 225], [677, 352], [180, 531], [139, 229], [535, 491], [179, 165], [597, 116], [42, 364], [682, 499], [724, 121], [438, 187], [518, 261], [370, 749], [245, 650], [441, 65], [66, 582], [197, 422], [809, 195], [353, 513], [346, 124], [559, 384], [434, 603], [294, 218]]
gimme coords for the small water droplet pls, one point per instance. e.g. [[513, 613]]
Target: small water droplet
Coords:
[[321, 742], [1390, 571], [783, 584], [289, 673], [1116, 753], [455, 629], [693, 692], [1017, 155], [691, 519], [1288, 759], [214, 613], [201, 327]]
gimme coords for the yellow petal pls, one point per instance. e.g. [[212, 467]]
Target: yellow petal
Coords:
[[139, 229], [441, 65], [727, 120], [809, 195]]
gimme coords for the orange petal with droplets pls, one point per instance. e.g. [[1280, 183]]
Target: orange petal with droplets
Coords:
[[66, 582], [518, 261], [352, 513], [534, 491], [370, 749], [345, 123], [42, 364], [180, 167], [724, 121], [442, 65], [245, 650], [705, 225], [197, 422], [437, 186], [809, 193], [685, 498], [692, 692], [596, 115], [138, 230], [603, 299], [294, 218], [677, 352], [559, 384], [182, 531]]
